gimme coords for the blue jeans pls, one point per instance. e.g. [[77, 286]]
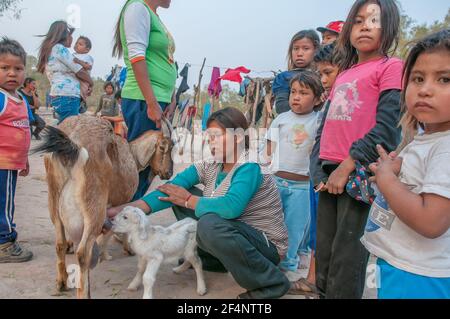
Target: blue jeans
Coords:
[[314, 198], [66, 106], [8, 182], [136, 118], [295, 198], [398, 284]]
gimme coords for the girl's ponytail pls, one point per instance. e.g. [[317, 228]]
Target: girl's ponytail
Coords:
[[117, 41]]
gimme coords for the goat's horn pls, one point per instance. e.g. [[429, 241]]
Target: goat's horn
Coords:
[[166, 127]]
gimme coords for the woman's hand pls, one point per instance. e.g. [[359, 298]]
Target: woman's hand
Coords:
[[112, 212], [176, 195], [387, 164], [321, 188], [324, 97], [26, 171], [339, 178], [155, 113]]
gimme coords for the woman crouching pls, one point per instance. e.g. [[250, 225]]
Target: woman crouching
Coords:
[[241, 226]]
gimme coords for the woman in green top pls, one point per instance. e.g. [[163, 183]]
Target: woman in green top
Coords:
[[147, 48], [241, 224]]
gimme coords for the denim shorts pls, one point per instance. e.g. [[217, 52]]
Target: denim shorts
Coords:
[[65, 106]]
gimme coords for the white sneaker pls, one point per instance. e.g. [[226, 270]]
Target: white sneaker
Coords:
[[304, 261], [292, 276]]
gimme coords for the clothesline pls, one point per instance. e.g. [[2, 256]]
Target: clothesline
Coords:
[[221, 67]]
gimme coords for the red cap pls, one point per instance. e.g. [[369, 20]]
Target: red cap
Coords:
[[335, 26]]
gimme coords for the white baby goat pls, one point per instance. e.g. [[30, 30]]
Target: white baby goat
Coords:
[[156, 245]]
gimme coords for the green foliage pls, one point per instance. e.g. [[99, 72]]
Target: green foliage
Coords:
[[10, 6], [411, 31]]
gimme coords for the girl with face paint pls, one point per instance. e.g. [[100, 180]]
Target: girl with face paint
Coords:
[[364, 112]]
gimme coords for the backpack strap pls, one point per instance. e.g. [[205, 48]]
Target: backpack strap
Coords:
[[3, 101], [30, 114]]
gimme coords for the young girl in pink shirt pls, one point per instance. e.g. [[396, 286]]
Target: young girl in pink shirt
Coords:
[[364, 111]]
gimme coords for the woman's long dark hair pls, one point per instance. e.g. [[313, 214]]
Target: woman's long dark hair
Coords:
[[117, 41], [58, 33], [390, 26]]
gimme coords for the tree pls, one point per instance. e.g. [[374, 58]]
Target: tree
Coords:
[[410, 31], [10, 6]]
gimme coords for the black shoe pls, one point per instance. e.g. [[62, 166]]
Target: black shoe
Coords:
[[208, 266], [245, 295]]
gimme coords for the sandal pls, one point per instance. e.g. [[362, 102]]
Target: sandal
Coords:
[[304, 288]]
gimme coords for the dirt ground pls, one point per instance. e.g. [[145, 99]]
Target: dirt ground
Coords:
[[36, 279]]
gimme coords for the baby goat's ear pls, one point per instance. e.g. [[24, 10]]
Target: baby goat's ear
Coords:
[[142, 226]]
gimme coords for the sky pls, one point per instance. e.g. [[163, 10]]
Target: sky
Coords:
[[229, 33]]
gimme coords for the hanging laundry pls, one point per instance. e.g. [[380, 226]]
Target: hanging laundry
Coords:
[[122, 77], [191, 114], [206, 114], [215, 87], [179, 113], [234, 75], [184, 82], [243, 88]]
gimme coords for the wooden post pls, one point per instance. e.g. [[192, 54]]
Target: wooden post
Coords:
[[255, 105], [198, 88]]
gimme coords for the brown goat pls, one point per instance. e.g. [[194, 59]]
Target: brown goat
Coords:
[[89, 169]]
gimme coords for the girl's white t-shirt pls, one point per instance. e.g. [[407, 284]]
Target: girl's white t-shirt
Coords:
[[294, 136], [425, 170]]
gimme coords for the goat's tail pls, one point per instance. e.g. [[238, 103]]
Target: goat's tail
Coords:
[[62, 147]]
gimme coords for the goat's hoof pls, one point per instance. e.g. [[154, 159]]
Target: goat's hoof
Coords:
[[106, 257], [70, 250], [133, 288], [128, 252], [61, 287], [202, 292]]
